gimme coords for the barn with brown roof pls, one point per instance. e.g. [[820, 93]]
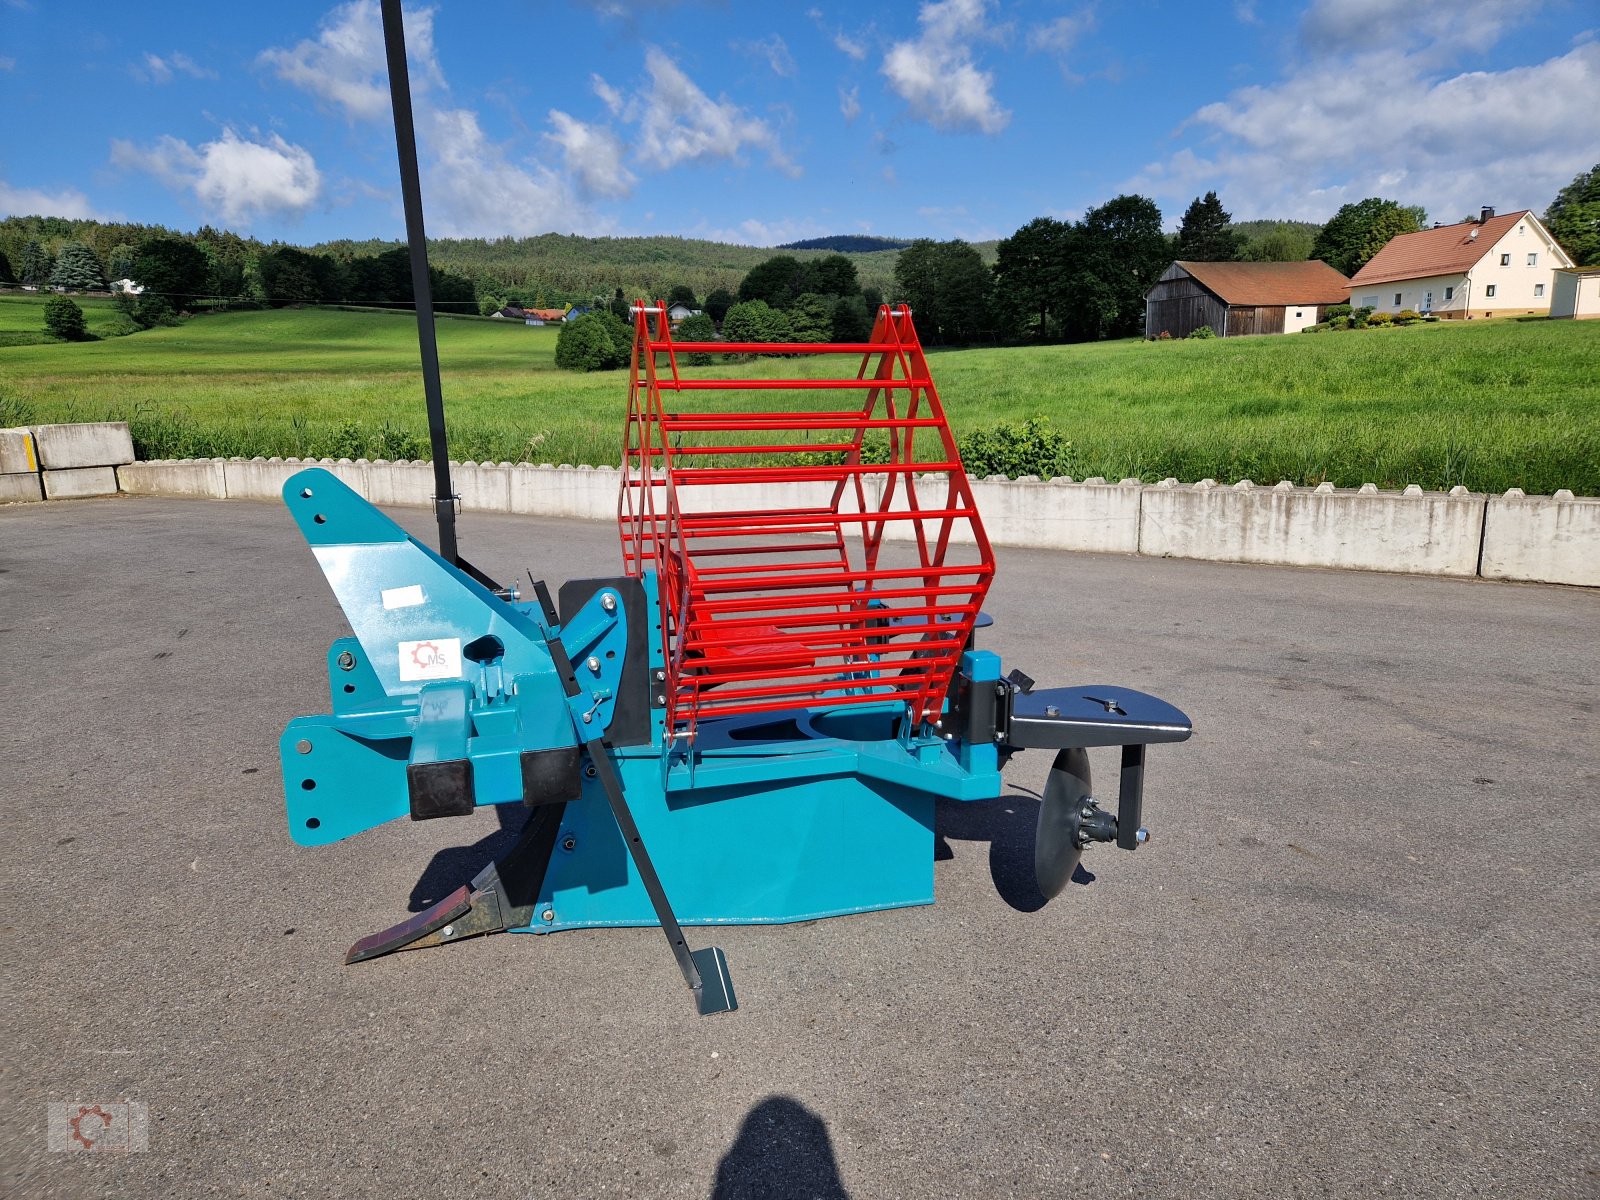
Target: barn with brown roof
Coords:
[[1238, 298]]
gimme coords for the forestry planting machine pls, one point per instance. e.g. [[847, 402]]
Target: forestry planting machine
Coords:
[[749, 723]]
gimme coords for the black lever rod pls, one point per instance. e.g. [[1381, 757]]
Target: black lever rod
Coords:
[[405, 140]]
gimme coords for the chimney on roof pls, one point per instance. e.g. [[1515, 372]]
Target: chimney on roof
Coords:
[[1485, 215]]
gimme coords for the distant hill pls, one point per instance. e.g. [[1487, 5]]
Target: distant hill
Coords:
[[571, 267], [847, 243]]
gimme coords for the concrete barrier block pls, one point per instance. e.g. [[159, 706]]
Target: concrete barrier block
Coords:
[[85, 444], [353, 473], [587, 493], [200, 477], [17, 454], [19, 488], [259, 478], [483, 487], [1542, 539], [76, 483], [400, 483], [1428, 534], [1097, 517]]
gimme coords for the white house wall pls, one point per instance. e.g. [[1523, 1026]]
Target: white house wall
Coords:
[[1519, 289], [1298, 316], [1419, 295], [1575, 296]]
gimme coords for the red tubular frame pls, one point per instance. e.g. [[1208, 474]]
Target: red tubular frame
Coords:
[[780, 608]]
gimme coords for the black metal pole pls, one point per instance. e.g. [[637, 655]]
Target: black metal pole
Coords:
[[405, 140]]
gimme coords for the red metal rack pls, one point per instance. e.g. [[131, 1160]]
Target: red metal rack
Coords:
[[808, 556]]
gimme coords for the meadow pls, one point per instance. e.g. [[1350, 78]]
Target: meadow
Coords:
[[1488, 405]]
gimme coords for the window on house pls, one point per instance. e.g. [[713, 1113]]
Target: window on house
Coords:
[[1533, 259], [1369, 302], [1505, 260], [1538, 289], [1488, 292], [1397, 297], [1298, 315], [1450, 293]]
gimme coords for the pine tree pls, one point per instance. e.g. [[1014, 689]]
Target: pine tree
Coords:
[[1205, 235], [5, 269], [36, 264], [77, 270]]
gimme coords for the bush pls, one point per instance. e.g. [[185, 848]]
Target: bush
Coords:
[[1341, 322], [64, 319], [1379, 318], [587, 344], [1335, 311], [1205, 331], [154, 310], [1406, 316], [698, 328], [1033, 448]]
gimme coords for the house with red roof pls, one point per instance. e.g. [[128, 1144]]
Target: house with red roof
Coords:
[[1237, 298], [1491, 267]]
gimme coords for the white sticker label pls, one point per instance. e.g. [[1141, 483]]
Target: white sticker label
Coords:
[[436, 658], [403, 597]]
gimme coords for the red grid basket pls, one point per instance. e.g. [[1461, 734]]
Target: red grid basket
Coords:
[[810, 552]]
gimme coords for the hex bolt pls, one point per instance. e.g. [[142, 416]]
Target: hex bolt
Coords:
[[660, 699], [1050, 710], [548, 915], [593, 664], [608, 602], [660, 676], [447, 930], [346, 661], [1141, 835]]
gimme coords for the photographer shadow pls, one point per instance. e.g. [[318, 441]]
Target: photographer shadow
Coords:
[[783, 1150]]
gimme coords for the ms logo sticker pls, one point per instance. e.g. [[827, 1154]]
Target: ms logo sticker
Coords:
[[435, 658]]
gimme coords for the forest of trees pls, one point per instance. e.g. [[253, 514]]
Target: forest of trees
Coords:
[[1050, 280]]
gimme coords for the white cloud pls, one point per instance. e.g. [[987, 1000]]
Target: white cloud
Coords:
[[608, 94], [36, 202], [762, 233], [593, 155], [345, 64], [1062, 34], [233, 177], [853, 46], [679, 123], [473, 189], [155, 69], [773, 49], [935, 75], [1392, 115], [850, 103]]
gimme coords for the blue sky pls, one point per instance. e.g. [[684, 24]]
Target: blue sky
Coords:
[[763, 123]]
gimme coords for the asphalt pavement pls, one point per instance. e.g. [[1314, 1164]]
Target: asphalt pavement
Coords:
[[1358, 958]]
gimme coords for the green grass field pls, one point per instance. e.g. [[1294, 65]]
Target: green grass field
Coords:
[[1488, 405]]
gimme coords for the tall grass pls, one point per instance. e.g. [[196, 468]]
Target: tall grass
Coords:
[[1491, 405]]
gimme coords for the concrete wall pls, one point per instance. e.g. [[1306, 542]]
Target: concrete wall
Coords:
[[1546, 539], [1537, 538], [1412, 531], [1550, 539]]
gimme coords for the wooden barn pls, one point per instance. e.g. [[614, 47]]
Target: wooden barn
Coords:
[[1237, 298]]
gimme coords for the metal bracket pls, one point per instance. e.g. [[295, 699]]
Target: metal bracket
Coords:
[[712, 987]]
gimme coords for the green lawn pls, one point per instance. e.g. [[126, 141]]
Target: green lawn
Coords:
[[22, 318], [1491, 405]]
